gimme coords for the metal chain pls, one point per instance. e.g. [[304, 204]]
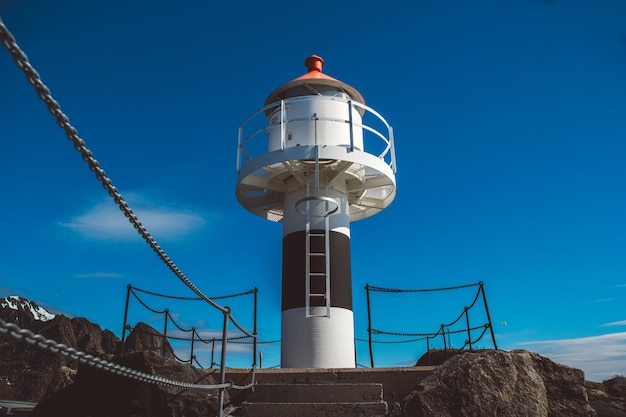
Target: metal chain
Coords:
[[177, 297], [381, 289], [33, 78], [376, 331], [52, 346]]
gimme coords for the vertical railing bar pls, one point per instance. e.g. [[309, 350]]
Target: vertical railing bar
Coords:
[[239, 148], [193, 338], [393, 150], [128, 289], [493, 336], [369, 324], [351, 125], [469, 333], [443, 336], [254, 343], [223, 361], [167, 314], [282, 125]]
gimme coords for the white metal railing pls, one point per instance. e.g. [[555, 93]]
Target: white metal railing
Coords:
[[254, 131]]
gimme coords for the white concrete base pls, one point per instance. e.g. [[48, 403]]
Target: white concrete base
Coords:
[[317, 342]]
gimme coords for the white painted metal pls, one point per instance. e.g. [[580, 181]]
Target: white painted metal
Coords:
[[322, 121], [317, 342]]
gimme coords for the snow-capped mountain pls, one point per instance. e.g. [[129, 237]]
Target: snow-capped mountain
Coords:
[[37, 312]]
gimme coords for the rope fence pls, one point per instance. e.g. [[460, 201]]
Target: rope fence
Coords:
[[195, 335], [444, 331]]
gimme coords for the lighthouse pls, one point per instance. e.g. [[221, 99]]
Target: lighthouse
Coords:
[[316, 158]]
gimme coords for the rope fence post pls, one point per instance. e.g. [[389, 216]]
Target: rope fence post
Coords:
[[167, 314], [443, 336], [223, 360], [193, 339], [469, 333], [369, 324], [493, 336], [254, 341], [128, 289], [212, 352]]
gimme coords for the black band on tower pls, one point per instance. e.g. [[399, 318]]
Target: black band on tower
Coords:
[[294, 270]]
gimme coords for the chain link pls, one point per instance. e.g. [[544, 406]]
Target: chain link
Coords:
[[177, 297], [376, 331], [20, 58], [395, 290]]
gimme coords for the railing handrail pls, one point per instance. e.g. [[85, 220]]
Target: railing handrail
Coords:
[[244, 139]]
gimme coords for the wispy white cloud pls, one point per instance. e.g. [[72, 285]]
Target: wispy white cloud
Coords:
[[600, 357], [615, 323], [603, 300], [105, 221]]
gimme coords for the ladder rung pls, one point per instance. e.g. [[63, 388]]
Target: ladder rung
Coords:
[[317, 274], [316, 234], [317, 295], [317, 254]]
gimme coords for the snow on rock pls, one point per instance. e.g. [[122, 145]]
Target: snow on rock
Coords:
[[18, 303]]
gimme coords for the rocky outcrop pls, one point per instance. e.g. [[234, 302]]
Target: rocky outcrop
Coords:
[[19, 310], [97, 393], [28, 373], [497, 383], [609, 397], [144, 338]]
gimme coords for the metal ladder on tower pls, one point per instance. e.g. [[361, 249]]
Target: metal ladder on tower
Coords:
[[317, 246], [317, 280]]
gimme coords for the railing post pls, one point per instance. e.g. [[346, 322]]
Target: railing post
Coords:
[[393, 150], [282, 125], [369, 324], [493, 336], [428, 348], [254, 342], [443, 336], [239, 147], [167, 315], [128, 289], [223, 360], [351, 125], [469, 334], [193, 338], [212, 352]]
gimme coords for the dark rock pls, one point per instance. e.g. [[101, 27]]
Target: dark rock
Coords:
[[29, 373], [498, 383], [145, 338], [609, 397], [19, 310], [97, 393], [616, 386], [435, 357]]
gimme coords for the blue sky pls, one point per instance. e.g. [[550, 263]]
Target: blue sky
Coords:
[[509, 120]]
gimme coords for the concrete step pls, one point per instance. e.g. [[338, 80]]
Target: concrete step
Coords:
[[316, 393], [362, 409], [315, 400]]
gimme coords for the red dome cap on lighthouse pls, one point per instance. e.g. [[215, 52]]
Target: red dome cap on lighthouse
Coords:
[[306, 84]]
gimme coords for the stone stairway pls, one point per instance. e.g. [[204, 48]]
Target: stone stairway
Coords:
[[307, 392], [315, 400]]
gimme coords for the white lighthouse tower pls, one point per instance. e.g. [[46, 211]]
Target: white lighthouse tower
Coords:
[[315, 158]]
